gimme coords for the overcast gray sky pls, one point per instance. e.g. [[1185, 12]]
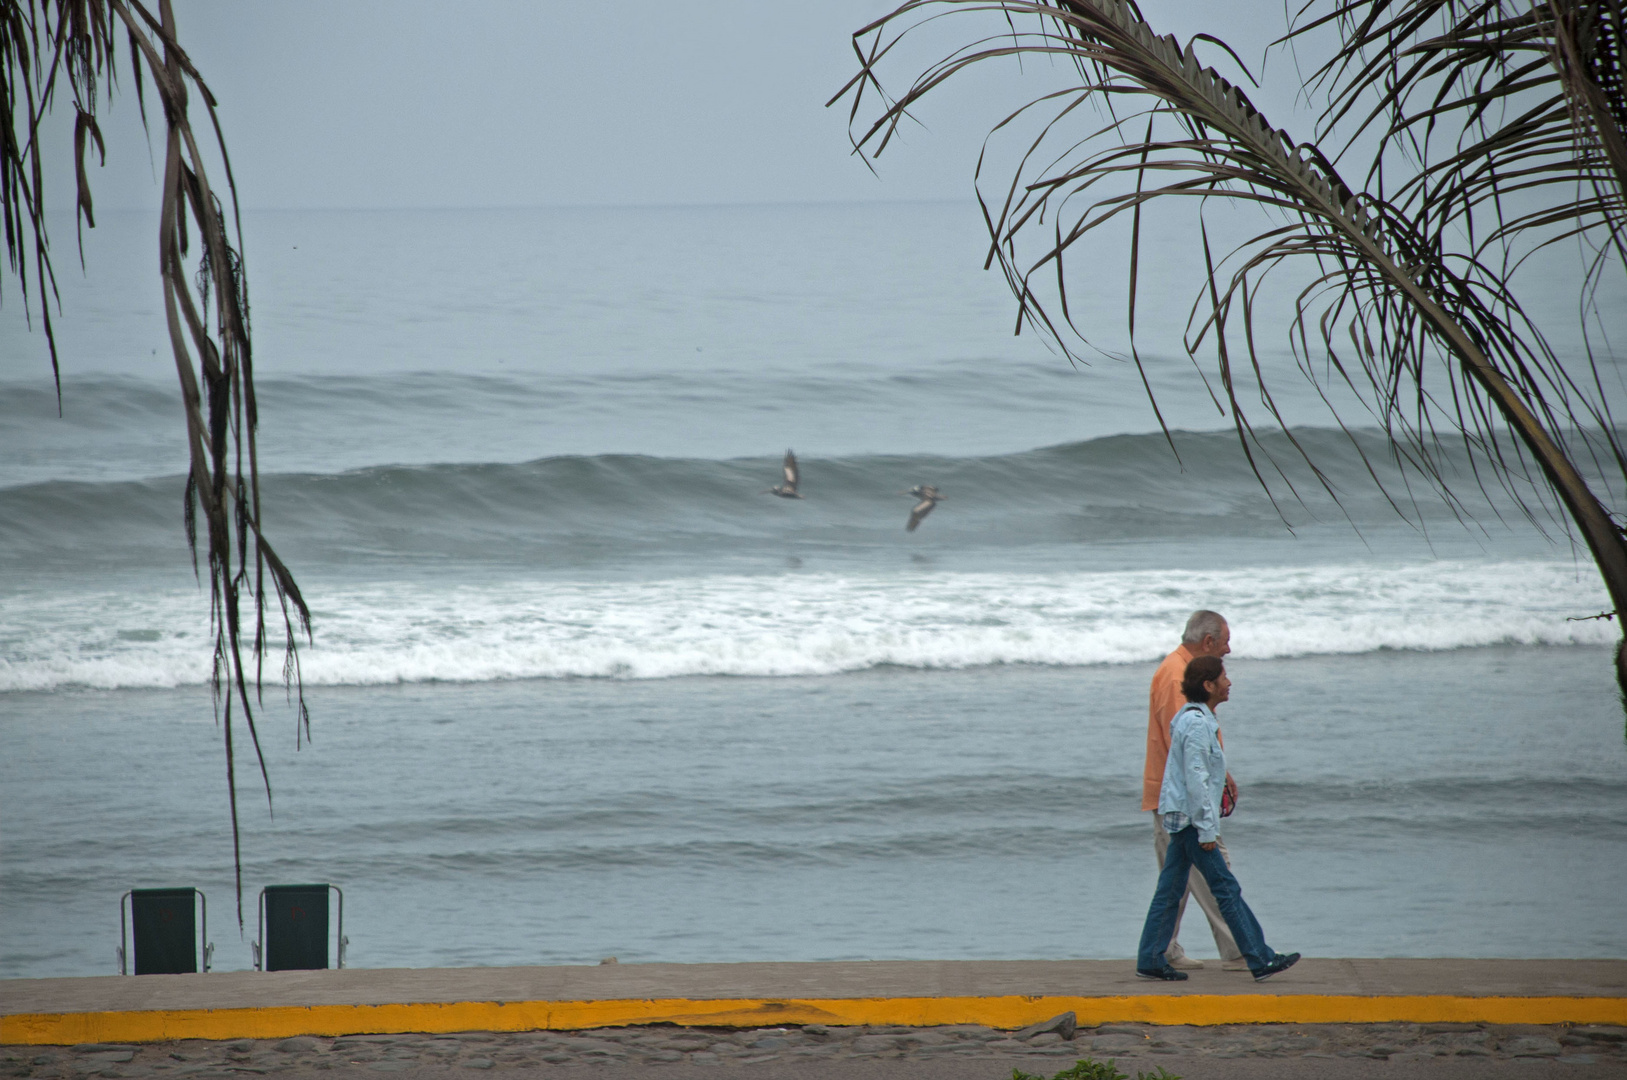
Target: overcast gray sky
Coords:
[[409, 103]]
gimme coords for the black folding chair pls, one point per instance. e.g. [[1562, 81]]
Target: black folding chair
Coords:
[[166, 923], [294, 928]]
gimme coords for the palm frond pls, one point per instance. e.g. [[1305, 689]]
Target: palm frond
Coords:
[[1514, 114], [207, 312], [1429, 335]]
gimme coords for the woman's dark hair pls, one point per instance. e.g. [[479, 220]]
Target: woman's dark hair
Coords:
[[1202, 669]]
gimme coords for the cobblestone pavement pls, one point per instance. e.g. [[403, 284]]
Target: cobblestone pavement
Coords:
[[1313, 1050]]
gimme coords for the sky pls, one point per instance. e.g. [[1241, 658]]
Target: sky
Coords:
[[394, 104], [406, 103]]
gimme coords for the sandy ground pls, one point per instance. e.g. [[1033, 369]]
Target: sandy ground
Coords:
[[965, 1052]]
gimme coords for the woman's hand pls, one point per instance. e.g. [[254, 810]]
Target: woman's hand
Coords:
[[1207, 847]]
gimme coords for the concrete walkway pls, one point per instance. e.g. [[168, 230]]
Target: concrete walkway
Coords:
[[998, 994]]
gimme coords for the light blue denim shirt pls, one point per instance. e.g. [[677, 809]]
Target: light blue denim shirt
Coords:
[[1194, 773]]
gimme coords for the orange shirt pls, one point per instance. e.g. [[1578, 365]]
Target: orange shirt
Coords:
[[1164, 700]]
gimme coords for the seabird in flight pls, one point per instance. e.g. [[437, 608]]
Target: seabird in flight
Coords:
[[788, 490], [929, 498]]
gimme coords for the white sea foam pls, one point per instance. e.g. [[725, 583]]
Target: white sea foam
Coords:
[[810, 624]]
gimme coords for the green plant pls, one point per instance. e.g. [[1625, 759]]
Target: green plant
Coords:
[[1086, 1069]]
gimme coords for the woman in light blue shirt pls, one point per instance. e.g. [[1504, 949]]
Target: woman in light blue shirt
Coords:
[[1194, 777]]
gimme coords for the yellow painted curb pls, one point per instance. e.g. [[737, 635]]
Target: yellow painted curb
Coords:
[[1001, 1012]]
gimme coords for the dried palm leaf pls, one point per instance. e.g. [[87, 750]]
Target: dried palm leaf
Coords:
[[1513, 113], [1429, 336], [1527, 97], [41, 41]]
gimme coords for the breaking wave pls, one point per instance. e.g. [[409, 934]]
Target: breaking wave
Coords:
[[800, 624]]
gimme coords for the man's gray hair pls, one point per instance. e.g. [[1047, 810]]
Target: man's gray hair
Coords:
[[1202, 624]]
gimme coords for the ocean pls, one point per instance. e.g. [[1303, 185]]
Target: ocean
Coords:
[[580, 688]]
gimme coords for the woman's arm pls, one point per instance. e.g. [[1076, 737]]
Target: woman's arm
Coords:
[[1200, 806]]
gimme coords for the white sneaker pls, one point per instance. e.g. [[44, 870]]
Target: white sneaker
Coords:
[[1188, 963]]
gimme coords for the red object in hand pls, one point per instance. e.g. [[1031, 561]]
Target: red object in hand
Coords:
[[1228, 798]]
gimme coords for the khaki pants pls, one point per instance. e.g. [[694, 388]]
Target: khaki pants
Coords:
[[1198, 888]]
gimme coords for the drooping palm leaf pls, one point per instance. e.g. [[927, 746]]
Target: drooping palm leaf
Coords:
[[1430, 335], [46, 45], [1527, 96], [1514, 113]]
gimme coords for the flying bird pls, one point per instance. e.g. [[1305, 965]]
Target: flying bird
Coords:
[[929, 498], [788, 490]]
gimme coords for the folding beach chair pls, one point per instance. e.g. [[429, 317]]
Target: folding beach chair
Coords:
[[166, 924], [294, 928]]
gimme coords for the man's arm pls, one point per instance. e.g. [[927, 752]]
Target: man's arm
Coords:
[[1164, 700], [1231, 785]]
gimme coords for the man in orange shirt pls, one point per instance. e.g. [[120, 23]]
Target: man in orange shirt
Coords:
[[1206, 635]]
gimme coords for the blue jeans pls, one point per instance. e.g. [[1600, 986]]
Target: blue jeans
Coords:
[[1185, 853]]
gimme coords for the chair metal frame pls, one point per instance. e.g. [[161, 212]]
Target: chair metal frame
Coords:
[[257, 946], [127, 960]]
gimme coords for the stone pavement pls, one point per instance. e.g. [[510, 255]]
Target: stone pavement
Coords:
[[951, 1020], [868, 980]]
